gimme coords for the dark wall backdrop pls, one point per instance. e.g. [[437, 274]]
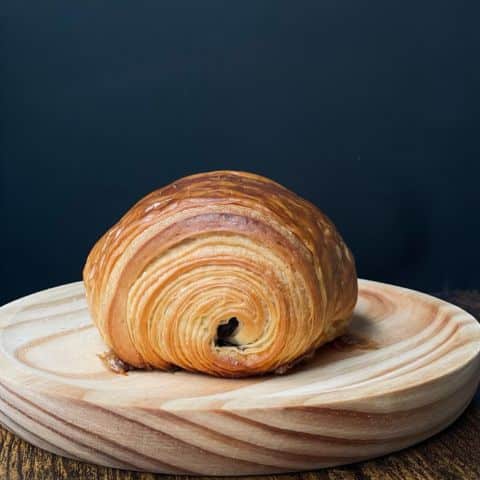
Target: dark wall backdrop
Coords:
[[369, 109]]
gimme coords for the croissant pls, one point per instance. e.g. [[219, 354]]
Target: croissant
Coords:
[[226, 273]]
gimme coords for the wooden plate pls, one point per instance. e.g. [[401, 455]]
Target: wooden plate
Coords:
[[411, 369]]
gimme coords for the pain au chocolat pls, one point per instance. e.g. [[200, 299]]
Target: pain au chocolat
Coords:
[[226, 273]]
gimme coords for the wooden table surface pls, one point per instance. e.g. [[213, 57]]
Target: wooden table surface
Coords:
[[452, 454]]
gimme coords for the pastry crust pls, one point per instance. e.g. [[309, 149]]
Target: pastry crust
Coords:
[[226, 273]]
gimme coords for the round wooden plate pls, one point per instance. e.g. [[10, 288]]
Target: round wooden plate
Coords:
[[407, 370]]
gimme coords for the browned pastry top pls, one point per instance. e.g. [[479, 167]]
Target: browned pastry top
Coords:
[[226, 273]]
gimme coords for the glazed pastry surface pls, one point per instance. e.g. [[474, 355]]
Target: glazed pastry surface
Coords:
[[226, 273]]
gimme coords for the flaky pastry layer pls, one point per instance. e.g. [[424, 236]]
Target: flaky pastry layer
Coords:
[[226, 273]]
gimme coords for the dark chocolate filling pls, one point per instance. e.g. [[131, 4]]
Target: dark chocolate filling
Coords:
[[225, 332]]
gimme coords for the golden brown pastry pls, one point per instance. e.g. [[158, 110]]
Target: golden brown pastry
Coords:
[[226, 273]]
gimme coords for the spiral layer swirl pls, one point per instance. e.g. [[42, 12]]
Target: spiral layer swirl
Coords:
[[226, 273]]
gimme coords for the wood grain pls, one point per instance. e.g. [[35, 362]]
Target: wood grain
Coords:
[[349, 403]]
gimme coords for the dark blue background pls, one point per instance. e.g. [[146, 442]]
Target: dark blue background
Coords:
[[369, 109]]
